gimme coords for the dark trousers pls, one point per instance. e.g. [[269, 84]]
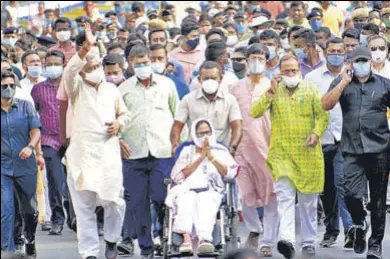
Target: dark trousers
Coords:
[[143, 179], [25, 189], [333, 166], [357, 170], [56, 179]]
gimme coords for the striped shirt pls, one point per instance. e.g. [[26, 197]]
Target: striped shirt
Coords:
[[47, 105]]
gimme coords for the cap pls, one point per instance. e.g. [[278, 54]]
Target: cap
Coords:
[[262, 12], [262, 20], [166, 13], [240, 15], [385, 11], [83, 19], [193, 6], [157, 23], [46, 41], [11, 30], [361, 52], [360, 12], [231, 7], [213, 12], [314, 13], [151, 12]]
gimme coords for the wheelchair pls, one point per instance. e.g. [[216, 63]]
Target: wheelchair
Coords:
[[226, 229]]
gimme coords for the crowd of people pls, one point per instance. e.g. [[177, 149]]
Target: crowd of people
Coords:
[[289, 99]]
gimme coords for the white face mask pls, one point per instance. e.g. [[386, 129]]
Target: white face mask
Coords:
[[158, 67], [96, 76], [378, 56], [292, 82], [256, 68], [63, 35], [285, 44], [210, 86], [231, 40], [143, 72]]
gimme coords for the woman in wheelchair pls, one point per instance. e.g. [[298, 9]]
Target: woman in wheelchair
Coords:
[[199, 175]]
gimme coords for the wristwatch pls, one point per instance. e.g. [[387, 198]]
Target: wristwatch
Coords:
[[32, 147], [234, 147]]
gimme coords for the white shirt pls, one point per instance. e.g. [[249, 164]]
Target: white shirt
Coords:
[[20, 93], [27, 85], [385, 72], [322, 77], [152, 109]]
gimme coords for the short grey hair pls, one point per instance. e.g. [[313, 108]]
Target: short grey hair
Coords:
[[139, 51], [288, 57]]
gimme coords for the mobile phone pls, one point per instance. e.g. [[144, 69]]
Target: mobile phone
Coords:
[[350, 73]]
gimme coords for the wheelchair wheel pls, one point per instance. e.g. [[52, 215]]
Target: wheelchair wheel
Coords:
[[233, 240], [166, 233]]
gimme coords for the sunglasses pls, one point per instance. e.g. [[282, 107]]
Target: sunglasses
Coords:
[[238, 59], [5, 86], [381, 48]]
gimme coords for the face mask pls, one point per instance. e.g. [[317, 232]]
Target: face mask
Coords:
[[335, 60], [96, 76], [112, 35], [170, 25], [101, 35], [80, 30], [201, 140], [143, 72], [363, 40], [240, 27], [315, 25], [291, 82], [256, 68], [359, 26], [238, 67], [362, 69], [63, 35], [231, 40], [7, 93], [115, 79], [378, 56], [285, 44], [34, 71], [349, 56], [272, 53], [9, 41], [210, 86], [158, 67], [300, 53], [258, 32], [15, 58], [193, 43], [387, 23], [53, 72]]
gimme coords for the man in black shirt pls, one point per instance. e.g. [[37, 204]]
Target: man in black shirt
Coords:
[[364, 98]]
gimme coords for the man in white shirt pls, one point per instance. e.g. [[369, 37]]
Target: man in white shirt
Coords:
[[32, 65], [151, 100], [332, 198]]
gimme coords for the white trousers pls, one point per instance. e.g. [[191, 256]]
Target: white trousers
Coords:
[[46, 193], [199, 210], [307, 205], [271, 224], [84, 203], [251, 218]]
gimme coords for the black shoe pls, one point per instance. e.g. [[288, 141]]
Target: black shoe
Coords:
[[374, 252], [73, 225], [91, 257], [111, 250], [328, 241], [286, 249], [126, 247], [31, 252], [149, 256], [56, 230], [100, 230], [46, 226], [360, 243], [349, 237], [308, 252]]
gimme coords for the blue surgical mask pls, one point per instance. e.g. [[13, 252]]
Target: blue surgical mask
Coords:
[[361, 69], [240, 27], [363, 40], [9, 41], [315, 25], [335, 60], [272, 53], [80, 30], [256, 67], [193, 43], [34, 71], [301, 55], [53, 72], [7, 93], [359, 26]]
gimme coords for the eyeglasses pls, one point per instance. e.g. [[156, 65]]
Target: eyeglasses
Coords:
[[5, 86], [202, 134], [381, 48], [238, 59]]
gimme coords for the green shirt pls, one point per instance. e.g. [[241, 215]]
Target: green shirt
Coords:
[[294, 118]]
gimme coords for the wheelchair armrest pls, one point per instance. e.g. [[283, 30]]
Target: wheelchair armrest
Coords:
[[167, 181]]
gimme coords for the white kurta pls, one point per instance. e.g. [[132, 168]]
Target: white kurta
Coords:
[[93, 158]]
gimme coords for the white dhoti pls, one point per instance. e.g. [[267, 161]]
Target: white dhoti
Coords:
[[199, 210]]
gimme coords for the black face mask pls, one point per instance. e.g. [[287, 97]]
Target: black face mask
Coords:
[[15, 58], [238, 67]]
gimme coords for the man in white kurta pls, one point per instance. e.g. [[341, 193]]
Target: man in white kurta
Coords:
[[93, 157]]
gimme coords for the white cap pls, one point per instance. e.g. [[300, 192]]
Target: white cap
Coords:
[[261, 20], [213, 12]]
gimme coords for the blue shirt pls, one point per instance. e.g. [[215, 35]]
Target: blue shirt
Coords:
[[181, 86], [179, 72], [16, 125]]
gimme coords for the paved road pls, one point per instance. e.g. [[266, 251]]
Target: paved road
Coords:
[[65, 247]]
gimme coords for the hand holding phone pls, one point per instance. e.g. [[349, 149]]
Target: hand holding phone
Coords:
[[348, 74]]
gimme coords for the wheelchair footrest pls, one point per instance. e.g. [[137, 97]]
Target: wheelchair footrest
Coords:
[[177, 254], [208, 255]]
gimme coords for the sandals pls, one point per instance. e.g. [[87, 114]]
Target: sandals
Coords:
[[186, 247], [266, 251]]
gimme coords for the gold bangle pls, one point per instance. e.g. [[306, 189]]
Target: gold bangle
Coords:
[[213, 160]]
